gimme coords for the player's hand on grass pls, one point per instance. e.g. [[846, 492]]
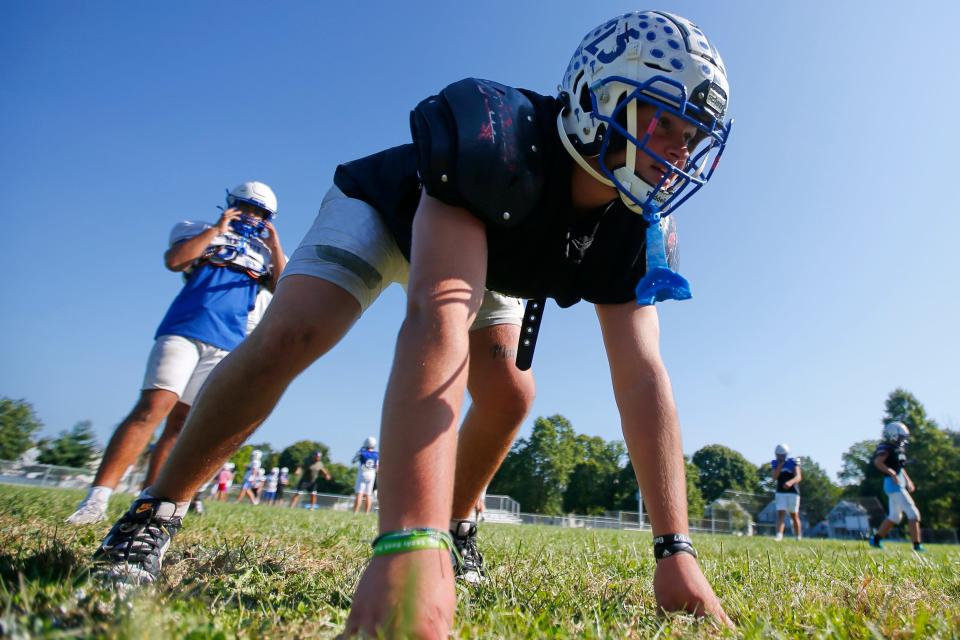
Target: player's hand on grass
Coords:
[[223, 224], [404, 595], [679, 585]]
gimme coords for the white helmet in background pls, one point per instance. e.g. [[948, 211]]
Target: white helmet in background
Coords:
[[654, 58], [256, 454], [895, 431], [782, 449], [256, 193], [229, 466], [370, 443], [285, 470], [275, 470]]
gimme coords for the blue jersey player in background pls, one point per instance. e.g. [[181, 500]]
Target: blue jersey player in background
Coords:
[[786, 472], [891, 459], [368, 461], [230, 269]]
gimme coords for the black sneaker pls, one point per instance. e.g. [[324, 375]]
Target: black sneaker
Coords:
[[133, 550], [468, 561]]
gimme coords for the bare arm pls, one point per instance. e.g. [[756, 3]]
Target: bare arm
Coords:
[[651, 428], [182, 254], [776, 470], [645, 399], [880, 462], [797, 477], [277, 259]]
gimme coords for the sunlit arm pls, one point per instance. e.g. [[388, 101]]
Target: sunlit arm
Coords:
[[648, 415], [181, 255]]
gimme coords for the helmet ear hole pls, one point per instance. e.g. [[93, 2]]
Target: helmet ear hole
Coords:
[[586, 106]]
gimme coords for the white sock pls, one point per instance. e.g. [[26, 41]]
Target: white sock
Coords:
[[100, 494], [179, 511], [461, 527]]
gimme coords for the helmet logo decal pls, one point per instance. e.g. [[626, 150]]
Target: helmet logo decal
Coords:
[[607, 57]]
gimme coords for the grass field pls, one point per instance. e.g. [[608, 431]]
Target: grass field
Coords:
[[262, 572]]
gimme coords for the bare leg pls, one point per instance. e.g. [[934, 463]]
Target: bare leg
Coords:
[[885, 527], [797, 532], [502, 396], [914, 526], [369, 503], [781, 517], [133, 435], [167, 439], [356, 503], [294, 499], [307, 317]]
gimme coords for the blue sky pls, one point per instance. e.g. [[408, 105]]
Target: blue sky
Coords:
[[823, 255]]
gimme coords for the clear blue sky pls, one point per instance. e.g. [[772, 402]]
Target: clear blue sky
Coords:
[[823, 255]]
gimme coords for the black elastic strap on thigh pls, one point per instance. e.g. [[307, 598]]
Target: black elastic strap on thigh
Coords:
[[529, 330]]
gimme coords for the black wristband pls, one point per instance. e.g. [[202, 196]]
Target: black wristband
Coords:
[[671, 544]]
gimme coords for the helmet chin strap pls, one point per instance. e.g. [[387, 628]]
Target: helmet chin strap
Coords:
[[579, 159]]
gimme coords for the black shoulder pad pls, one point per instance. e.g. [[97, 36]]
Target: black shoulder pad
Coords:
[[478, 147]]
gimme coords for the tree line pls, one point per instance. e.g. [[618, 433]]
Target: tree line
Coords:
[[557, 470]]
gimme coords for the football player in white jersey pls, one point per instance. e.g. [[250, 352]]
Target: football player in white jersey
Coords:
[[230, 270]]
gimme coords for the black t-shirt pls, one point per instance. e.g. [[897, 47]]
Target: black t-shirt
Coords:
[[896, 455], [555, 252], [787, 473]]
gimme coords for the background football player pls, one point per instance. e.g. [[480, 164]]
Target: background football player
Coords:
[[891, 459], [230, 269], [786, 473]]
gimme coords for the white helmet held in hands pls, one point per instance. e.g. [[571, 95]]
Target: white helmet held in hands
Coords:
[[370, 443], [782, 449], [895, 431], [645, 58], [256, 193]]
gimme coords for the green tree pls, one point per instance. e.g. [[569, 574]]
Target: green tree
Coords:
[[820, 493], [294, 455], [75, 448], [592, 487], [538, 468], [18, 423], [722, 468], [858, 476], [342, 478]]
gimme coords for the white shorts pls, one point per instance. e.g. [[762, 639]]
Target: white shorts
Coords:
[[789, 502], [364, 483], [180, 365], [901, 504], [350, 246]]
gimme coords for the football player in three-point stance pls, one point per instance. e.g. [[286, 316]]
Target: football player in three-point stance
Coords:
[[230, 269], [786, 473], [891, 459], [504, 190]]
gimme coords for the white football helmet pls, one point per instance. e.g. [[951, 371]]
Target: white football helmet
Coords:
[[782, 449], [285, 470], [646, 57], [229, 466], [370, 443], [256, 454], [895, 431], [255, 193]]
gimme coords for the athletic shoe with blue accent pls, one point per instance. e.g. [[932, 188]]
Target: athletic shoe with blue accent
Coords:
[[919, 548], [876, 542], [132, 553]]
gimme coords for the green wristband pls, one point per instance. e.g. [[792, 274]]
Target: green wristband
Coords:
[[411, 540]]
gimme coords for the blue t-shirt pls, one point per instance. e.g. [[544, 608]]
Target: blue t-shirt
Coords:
[[221, 289], [367, 460], [788, 472]]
